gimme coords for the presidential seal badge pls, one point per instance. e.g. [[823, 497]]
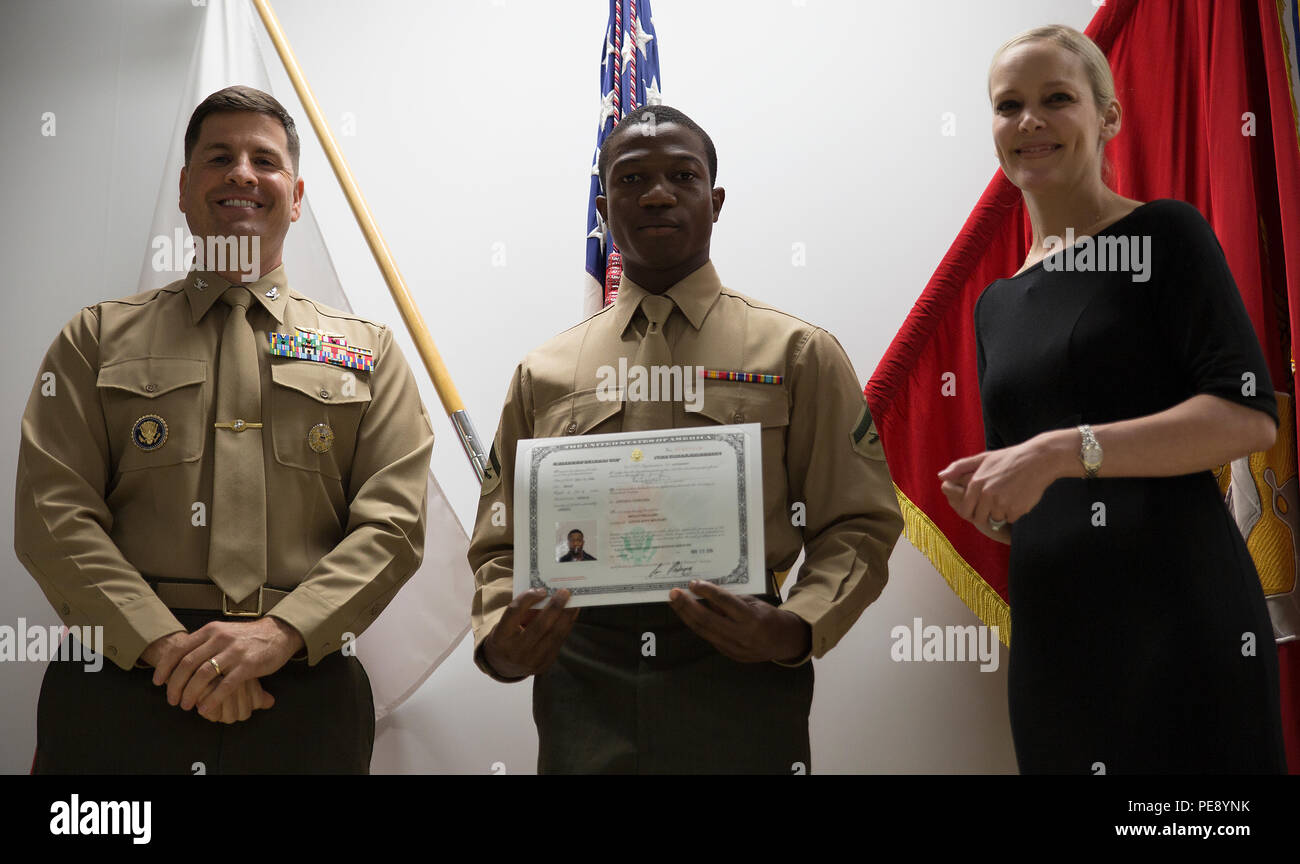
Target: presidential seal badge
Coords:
[[320, 437], [637, 455], [149, 432]]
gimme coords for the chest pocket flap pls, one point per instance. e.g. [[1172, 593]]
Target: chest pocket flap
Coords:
[[330, 385], [575, 414], [151, 377], [730, 402]]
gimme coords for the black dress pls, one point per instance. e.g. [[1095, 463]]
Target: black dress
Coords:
[[1140, 637]]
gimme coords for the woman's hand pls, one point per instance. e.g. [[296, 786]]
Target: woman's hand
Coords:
[[1198, 434], [1006, 484], [955, 493]]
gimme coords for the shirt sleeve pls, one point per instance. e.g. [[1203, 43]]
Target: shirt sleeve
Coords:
[[835, 464], [1201, 316], [491, 548], [383, 542], [62, 522]]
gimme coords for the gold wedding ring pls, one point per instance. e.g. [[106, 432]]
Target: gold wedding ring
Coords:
[[215, 665]]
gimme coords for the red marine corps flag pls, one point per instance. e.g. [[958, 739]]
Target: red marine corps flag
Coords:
[[1209, 91]]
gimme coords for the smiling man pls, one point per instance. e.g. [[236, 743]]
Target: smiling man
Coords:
[[728, 684], [227, 477]]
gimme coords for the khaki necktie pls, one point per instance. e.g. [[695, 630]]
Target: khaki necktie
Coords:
[[641, 414], [237, 543]]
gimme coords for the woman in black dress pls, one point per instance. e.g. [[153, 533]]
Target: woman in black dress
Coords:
[[1114, 375]]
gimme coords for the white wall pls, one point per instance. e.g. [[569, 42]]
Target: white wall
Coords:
[[475, 122]]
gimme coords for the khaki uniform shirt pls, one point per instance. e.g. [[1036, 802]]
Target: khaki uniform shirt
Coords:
[[820, 448], [96, 516]]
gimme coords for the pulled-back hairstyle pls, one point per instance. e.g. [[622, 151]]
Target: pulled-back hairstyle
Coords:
[[1095, 64]]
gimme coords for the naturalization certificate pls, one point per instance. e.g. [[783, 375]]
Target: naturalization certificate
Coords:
[[625, 518]]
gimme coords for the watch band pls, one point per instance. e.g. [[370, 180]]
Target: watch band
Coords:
[[1090, 452]]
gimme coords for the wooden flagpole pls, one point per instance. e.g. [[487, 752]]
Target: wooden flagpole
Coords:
[[447, 392]]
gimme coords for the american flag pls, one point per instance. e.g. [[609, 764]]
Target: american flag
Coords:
[[629, 79]]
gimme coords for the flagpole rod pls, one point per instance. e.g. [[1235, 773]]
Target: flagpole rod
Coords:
[[415, 325]]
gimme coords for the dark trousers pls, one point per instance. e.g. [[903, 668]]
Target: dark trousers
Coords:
[[607, 707], [113, 721]]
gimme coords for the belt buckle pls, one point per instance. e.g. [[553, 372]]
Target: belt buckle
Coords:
[[226, 610]]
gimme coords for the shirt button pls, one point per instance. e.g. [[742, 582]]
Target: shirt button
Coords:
[[573, 427], [149, 388], [324, 394]]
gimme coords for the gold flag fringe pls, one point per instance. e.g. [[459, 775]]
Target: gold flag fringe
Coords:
[[987, 605]]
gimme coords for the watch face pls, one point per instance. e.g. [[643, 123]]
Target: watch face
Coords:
[[1092, 456]]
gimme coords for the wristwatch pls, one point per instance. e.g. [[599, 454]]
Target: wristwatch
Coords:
[[1089, 452]]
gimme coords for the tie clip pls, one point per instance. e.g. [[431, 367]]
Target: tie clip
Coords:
[[237, 426]]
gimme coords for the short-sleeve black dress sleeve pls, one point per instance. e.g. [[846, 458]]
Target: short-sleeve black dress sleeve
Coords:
[[1200, 315]]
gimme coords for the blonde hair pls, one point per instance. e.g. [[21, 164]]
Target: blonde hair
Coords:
[[1095, 64]]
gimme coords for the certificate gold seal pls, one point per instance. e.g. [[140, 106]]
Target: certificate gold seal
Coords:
[[149, 432], [637, 454], [320, 437]]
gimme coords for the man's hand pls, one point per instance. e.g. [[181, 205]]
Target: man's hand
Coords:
[[246, 698], [743, 627], [242, 650], [240, 705], [167, 650], [526, 641]]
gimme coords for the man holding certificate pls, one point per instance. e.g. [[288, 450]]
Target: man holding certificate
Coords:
[[697, 441]]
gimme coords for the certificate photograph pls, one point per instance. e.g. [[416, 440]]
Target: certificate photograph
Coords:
[[625, 518]]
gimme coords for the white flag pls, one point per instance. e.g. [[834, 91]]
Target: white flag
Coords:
[[430, 615]]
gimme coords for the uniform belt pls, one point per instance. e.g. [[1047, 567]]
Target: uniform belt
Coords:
[[204, 596]]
